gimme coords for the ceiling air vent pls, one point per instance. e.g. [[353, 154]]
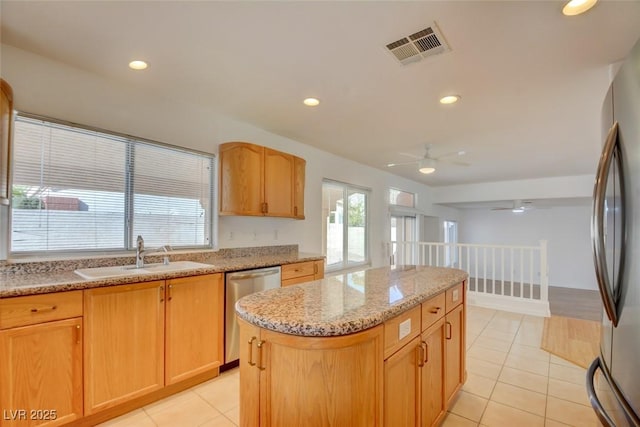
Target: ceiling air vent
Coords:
[[420, 45]]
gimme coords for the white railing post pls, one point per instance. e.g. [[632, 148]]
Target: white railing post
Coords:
[[544, 274]]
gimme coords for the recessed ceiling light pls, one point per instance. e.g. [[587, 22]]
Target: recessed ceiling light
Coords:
[[311, 102], [449, 99], [576, 7], [138, 65]]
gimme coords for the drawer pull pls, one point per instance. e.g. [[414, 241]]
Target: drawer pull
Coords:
[[426, 352], [251, 362], [448, 333], [434, 310], [77, 334], [169, 297], [45, 309]]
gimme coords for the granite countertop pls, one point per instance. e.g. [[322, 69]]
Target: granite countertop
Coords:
[[50, 280], [347, 303]]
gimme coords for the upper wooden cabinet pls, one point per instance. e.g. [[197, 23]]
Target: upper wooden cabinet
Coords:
[[6, 123], [259, 181]]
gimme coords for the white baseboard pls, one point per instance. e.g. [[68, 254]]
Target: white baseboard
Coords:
[[513, 304]]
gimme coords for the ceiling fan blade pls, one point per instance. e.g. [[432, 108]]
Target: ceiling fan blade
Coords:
[[451, 154], [412, 155], [453, 162], [390, 165]]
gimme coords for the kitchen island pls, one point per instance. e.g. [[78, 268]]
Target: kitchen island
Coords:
[[383, 346]]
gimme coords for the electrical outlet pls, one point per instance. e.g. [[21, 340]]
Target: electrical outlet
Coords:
[[404, 329]]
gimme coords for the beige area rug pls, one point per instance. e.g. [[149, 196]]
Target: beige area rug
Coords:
[[575, 340]]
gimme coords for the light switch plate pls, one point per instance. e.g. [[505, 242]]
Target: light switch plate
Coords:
[[404, 329]]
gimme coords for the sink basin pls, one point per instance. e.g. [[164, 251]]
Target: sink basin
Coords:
[[130, 270]]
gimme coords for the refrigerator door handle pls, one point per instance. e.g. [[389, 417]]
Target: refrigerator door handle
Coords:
[[597, 223], [593, 398]]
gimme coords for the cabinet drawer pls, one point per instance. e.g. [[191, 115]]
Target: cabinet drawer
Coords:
[[32, 309], [432, 310], [299, 269], [400, 330], [455, 296], [296, 280]]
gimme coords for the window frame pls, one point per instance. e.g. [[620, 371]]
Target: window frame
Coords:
[[347, 189], [129, 211]]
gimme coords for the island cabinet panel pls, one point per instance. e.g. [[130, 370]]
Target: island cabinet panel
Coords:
[[41, 372], [454, 351], [432, 400], [402, 374], [309, 381], [124, 343], [194, 326], [241, 179]]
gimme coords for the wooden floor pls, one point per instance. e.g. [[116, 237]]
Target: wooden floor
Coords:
[[575, 340]]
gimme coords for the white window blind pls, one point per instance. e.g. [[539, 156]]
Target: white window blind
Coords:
[[79, 189]]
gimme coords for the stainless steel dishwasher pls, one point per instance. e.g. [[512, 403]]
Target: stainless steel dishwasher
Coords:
[[237, 285]]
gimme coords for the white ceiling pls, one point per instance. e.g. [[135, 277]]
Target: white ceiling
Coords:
[[531, 80]]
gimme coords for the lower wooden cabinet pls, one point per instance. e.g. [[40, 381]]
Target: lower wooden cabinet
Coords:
[[402, 377], [124, 343], [292, 380], [432, 402], [194, 326], [454, 351], [41, 371]]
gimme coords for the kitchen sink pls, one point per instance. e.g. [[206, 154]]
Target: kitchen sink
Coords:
[[130, 270]]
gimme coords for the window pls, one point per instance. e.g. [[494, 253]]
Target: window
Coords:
[[402, 198], [345, 211], [81, 189]]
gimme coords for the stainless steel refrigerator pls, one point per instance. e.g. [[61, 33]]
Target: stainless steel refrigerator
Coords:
[[613, 379]]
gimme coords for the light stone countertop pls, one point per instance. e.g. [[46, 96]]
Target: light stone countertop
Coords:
[[43, 280], [348, 303]]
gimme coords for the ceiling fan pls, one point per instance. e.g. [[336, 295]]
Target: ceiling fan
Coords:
[[519, 206], [427, 163]]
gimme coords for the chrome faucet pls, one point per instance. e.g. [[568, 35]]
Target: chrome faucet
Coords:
[[141, 252]]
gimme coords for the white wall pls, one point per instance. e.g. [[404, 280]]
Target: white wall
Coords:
[[49, 88], [567, 230]]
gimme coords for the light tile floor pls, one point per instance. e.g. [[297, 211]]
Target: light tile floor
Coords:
[[510, 382]]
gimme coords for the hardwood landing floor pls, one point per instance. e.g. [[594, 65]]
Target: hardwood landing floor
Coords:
[[575, 340]]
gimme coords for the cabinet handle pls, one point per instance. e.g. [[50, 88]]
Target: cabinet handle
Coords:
[[251, 362], [426, 351], [449, 328], [435, 310], [315, 268], [295, 211], [266, 207], [420, 355], [77, 334], [161, 293], [260, 344], [42, 310], [169, 297]]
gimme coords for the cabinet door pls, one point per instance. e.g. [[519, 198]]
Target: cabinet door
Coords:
[[401, 386], [41, 371], [278, 183], [298, 187], [318, 272], [194, 332], [124, 343], [249, 374], [454, 351], [6, 123], [432, 375], [241, 179], [326, 381]]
